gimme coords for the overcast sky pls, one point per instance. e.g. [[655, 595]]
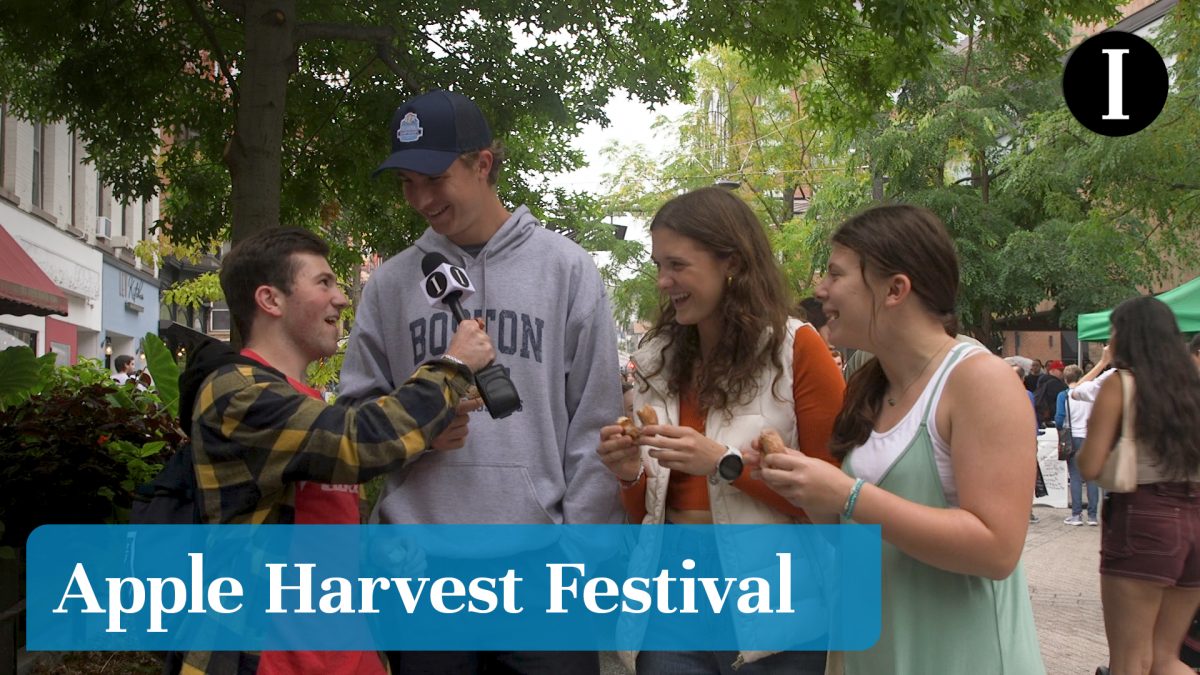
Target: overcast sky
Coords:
[[630, 123]]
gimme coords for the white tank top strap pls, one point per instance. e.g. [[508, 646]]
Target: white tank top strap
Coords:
[[934, 393], [874, 457], [959, 353]]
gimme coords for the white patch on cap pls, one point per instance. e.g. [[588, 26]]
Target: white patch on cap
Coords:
[[409, 129]]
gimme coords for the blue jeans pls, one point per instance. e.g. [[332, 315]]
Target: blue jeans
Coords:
[[1076, 484], [720, 662]]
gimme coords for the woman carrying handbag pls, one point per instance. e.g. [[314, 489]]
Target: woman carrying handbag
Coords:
[[1143, 446]]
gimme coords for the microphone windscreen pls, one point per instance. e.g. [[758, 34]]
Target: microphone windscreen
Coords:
[[431, 261]]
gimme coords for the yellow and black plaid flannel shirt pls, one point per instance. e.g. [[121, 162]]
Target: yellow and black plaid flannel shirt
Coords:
[[254, 437]]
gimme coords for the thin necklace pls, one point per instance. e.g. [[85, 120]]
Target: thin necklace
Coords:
[[891, 400]]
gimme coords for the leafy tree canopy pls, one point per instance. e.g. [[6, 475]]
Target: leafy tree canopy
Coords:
[[874, 45], [1041, 209], [276, 110]]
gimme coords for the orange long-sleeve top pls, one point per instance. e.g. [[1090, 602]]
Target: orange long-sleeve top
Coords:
[[817, 389]]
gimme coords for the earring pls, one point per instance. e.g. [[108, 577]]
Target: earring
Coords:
[[729, 281]]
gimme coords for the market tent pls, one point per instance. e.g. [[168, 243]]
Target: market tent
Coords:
[[1183, 300]]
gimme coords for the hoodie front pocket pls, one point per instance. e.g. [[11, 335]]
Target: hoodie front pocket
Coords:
[[482, 494]]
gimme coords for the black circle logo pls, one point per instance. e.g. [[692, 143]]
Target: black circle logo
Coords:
[[460, 276], [1115, 83], [435, 284]]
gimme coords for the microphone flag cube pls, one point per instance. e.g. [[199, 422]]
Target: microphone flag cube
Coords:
[[447, 281]]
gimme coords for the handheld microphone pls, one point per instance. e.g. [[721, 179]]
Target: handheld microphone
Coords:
[[447, 285]]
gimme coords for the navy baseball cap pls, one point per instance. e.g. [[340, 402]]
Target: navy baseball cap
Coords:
[[430, 131]]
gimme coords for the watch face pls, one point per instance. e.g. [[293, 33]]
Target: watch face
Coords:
[[730, 467]]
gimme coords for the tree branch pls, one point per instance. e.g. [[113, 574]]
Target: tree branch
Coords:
[[380, 36], [343, 31], [329, 118], [383, 50], [234, 7], [973, 177], [970, 51], [761, 198], [218, 54]]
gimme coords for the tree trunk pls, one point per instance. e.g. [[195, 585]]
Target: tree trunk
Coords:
[[985, 327], [985, 180], [255, 151]]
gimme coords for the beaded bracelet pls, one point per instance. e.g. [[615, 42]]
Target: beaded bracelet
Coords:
[[852, 499]]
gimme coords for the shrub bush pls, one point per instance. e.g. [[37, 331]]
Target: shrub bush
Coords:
[[74, 444]]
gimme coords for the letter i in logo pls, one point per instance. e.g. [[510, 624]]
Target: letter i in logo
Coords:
[[435, 285], [1115, 83]]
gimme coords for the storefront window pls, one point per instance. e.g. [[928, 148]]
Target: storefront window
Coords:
[[12, 336]]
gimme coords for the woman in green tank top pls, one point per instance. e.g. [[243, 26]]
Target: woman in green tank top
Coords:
[[938, 448]]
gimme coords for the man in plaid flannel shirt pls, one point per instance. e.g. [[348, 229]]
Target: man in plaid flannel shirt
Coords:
[[268, 449]]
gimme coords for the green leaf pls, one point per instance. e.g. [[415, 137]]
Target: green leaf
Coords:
[[120, 399], [21, 375], [164, 370]]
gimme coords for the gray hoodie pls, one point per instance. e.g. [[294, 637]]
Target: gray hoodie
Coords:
[[549, 318]]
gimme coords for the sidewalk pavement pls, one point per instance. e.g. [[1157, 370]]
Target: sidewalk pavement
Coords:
[[1062, 566]]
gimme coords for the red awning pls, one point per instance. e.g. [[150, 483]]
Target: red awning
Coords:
[[24, 287]]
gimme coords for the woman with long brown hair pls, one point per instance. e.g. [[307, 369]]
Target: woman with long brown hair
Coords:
[[1150, 538], [937, 444], [722, 364]]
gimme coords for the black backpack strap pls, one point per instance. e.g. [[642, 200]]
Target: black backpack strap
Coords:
[[172, 497], [203, 362], [169, 499]]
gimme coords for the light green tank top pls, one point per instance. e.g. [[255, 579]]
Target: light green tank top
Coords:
[[936, 622]]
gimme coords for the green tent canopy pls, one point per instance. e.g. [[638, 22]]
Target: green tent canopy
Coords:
[[1183, 300]]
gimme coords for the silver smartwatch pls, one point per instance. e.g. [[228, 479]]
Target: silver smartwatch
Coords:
[[729, 466]]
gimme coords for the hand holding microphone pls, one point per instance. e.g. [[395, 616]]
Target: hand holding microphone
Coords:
[[445, 287], [471, 345]]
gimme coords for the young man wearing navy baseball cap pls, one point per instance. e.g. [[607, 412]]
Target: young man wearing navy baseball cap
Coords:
[[544, 305]]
